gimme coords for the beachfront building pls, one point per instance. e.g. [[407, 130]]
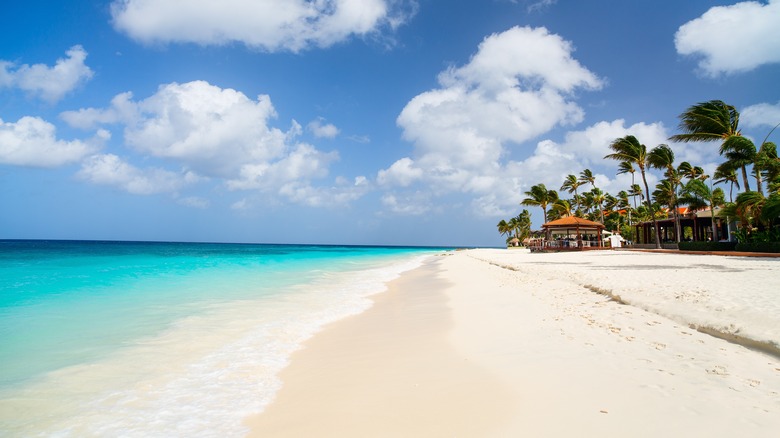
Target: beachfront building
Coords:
[[570, 234], [695, 226]]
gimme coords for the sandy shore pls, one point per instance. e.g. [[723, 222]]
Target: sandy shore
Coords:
[[503, 343]]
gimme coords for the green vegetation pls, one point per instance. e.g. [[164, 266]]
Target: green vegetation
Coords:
[[519, 228], [756, 212]]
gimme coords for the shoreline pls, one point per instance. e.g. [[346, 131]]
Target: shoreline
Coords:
[[385, 372], [540, 346]]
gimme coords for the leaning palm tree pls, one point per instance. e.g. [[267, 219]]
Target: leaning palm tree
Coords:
[[539, 196], [726, 173], [629, 149], [561, 208], [715, 121], [587, 177], [571, 184], [662, 157], [740, 154], [504, 228], [766, 164], [689, 171]]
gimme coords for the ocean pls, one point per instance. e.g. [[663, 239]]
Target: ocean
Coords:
[[145, 339]]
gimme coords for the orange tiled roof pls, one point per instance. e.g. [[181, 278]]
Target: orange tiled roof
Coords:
[[572, 221]]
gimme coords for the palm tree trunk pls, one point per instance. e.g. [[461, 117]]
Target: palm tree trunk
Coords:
[[601, 210], [759, 186], [677, 230], [745, 179], [715, 237], [650, 209], [577, 198]]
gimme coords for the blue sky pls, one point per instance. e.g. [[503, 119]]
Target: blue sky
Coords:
[[411, 122]]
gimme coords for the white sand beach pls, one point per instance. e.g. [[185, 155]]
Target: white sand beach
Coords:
[[506, 343]]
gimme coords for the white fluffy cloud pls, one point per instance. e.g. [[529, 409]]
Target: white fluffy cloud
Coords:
[[109, 169], [32, 141], [762, 114], [214, 133], [733, 39], [402, 173], [518, 85], [270, 25], [322, 130], [48, 83], [585, 149]]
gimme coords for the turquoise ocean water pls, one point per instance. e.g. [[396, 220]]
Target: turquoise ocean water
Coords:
[[166, 339]]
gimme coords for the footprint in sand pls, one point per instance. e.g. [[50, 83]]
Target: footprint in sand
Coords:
[[659, 346], [718, 371], [752, 382]]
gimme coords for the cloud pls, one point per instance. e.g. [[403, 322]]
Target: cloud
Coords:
[[48, 83], [413, 204], [214, 133], [540, 5], [32, 141], [762, 114], [270, 25], [338, 195], [321, 130], [733, 39], [109, 169], [194, 202], [122, 109], [584, 149], [401, 173], [518, 85], [304, 162]]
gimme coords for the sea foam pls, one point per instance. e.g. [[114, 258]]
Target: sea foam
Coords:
[[206, 372]]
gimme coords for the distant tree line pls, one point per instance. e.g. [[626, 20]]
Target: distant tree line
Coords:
[[684, 184]]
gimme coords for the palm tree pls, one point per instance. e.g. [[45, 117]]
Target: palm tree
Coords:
[[586, 200], [662, 157], [504, 228], [561, 208], [716, 121], [741, 152], [587, 177], [521, 225], [749, 206], [598, 198], [636, 190], [571, 184], [539, 196], [629, 149], [766, 164], [688, 171], [626, 167], [698, 195], [726, 173], [623, 203]]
